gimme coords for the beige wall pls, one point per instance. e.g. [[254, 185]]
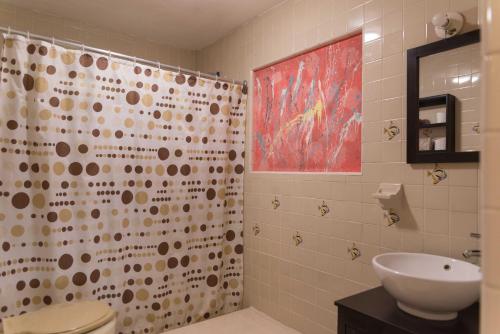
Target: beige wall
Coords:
[[298, 285], [490, 204], [79, 31]]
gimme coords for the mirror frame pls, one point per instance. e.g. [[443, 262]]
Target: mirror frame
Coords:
[[413, 154]]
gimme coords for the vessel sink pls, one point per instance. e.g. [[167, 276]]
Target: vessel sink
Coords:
[[428, 286]]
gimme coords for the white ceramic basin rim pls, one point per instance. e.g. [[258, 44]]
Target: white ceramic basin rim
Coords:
[[429, 286], [429, 267]]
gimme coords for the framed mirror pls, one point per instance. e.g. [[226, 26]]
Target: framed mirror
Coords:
[[443, 87]]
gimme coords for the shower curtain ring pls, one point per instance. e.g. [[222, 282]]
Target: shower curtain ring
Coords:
[[217, 77], [109, 55], [8, 31], [199, 75], [179, 69], [159, 66], [28, 36], [83, 48], [53, 41], [135, 61]]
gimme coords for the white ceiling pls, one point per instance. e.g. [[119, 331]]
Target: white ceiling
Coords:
[[189, 24]]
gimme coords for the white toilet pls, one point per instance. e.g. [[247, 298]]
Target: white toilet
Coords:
[[70, 318]]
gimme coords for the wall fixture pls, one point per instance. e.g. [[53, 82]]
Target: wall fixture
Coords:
[[354, 252], [323, 209], [476, 253], [276, 203], [388, 195], [447, 24], [297, 238]]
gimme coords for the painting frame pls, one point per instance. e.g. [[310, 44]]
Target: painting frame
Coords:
[[250, 118]]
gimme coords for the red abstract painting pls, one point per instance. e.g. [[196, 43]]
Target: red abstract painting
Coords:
[[307, 111]]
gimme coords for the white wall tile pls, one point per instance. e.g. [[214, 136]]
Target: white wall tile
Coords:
[[49, 25], [437, 221], [392, 22], [373, 10], [463, 199], [462, 224], [392, 44], [355, 18], [372, 30], [436, 197]]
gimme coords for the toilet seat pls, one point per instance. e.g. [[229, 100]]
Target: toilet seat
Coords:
[[67, 318]]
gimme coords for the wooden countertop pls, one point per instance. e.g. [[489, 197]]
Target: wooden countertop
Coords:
[[379, 305]]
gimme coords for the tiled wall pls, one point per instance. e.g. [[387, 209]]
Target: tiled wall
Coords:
[[298, 284], [490, 176], [47, 25]]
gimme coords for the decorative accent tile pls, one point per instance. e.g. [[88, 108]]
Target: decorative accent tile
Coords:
[[354, 252], [297, 238], [256, 229], [392, 131], [323, 209], [276, 203], [391, 217], [476, 129], [437, 175]]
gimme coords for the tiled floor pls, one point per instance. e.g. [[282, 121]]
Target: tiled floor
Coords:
[[247, 321]]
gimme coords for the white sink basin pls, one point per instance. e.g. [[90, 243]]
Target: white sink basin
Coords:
[[428, 286]]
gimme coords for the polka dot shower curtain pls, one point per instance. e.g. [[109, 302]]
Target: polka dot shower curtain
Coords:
[[120, 183]]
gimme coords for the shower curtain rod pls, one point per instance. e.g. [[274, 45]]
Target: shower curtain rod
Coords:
[[120, 55]]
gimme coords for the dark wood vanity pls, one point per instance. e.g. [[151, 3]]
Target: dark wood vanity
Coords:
[[375, 312]]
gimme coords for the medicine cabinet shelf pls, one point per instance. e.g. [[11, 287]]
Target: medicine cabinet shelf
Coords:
[[415, 126]]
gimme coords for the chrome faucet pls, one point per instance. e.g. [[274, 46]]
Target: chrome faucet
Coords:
[[468, 253]]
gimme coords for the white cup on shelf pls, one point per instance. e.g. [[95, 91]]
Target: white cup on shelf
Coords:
[[440, 144], [441, 117], [424, 144]]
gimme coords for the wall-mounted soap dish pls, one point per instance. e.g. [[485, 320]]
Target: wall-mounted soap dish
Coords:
[[389, 195]]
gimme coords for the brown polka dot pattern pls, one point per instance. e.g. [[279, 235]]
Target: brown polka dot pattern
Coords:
[[118, 183]]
